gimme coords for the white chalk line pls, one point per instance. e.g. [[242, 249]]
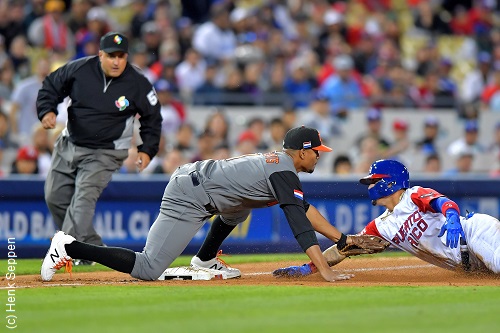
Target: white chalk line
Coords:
[[370, 269], [362, 269]]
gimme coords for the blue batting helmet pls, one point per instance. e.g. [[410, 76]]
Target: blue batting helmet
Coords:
[[388, 176]]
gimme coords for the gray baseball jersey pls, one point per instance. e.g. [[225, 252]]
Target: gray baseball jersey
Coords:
[[230, 188]]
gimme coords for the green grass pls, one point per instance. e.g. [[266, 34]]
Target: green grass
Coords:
[[276, 308], [242, 309]]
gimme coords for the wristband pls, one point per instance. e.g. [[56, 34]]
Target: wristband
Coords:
[[342, 242]]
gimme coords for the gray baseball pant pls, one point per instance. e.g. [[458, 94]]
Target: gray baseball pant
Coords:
[[182, 214], [75, 181]]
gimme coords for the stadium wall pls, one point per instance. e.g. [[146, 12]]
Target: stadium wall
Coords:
[[128, 206]]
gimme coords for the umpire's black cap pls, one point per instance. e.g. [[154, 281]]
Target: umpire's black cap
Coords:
[[114, 42], [304, 138]]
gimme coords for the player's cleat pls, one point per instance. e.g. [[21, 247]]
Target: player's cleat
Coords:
[[81, 262], [293, 271], [217, 264], [56, 256]]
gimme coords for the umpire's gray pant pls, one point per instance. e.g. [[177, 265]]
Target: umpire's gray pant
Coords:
[[182, 214], [76, 179]]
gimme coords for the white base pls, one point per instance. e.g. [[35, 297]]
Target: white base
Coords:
[[191, 273]]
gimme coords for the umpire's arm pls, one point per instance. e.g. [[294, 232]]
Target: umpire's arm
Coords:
[[150, 120]]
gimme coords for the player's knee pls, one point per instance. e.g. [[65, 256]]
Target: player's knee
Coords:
[[146, 269]]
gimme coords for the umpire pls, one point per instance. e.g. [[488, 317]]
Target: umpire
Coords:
[[106, 95]]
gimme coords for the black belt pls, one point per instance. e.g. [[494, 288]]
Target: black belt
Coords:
[[196, 182]]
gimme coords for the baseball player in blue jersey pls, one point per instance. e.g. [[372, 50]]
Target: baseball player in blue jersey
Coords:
[[228, 189]]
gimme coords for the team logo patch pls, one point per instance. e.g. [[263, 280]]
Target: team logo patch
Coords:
[[298, 194], [117, 40], [122, 103], [307, 145]]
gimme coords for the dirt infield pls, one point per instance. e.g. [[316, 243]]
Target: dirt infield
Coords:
[[406, 271]]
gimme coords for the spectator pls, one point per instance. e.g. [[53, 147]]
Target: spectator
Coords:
[[142, 13], [7, 75], [431, 93], [320, 118], [432, 164], [218, 125], [401, 141], [252, 74], [34, 10], [190, 74], [463, 163], [26, 162], [184, 140], [12, 13], [19, 54], [77, 18], [428, 144], [205, 146], [51, 31], [233, 93], [488, 95], [298, 85], [172, 110], [277, 131], [365, 55], [369, 152], [129, 166], [428, 20], [373, 128], [23, 114], [494, 147], [6, 140], [246, 144], [342, 89], [258, 126], [208, 93], [289, 116], [140, 58], [342, 165], [474, 81], [41, 142], [172, 160], [96, 27], [468, 142], [214, 39], [152, 38], [222, 152], [185, 32]]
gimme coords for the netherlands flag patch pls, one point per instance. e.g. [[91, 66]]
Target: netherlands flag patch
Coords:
[[298, 194], [306, 145]]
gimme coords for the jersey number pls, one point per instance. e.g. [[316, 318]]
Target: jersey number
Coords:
[[152, 98]]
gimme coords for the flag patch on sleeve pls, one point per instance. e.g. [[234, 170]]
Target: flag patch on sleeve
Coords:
[[298, 194]]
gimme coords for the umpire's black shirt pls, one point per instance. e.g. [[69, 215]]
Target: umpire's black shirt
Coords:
[[102, 110]]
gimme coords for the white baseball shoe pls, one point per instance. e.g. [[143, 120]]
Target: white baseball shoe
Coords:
[[56, 256], [217, 264]]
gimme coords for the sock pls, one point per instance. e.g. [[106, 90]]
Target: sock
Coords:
[[117, 258], [216, 235]]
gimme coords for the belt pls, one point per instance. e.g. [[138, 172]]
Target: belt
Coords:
[[196, 182]]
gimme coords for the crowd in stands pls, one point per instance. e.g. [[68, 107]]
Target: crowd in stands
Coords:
[[317, 60]]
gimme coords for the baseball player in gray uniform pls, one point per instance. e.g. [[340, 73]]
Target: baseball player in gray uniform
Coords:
[[229, 189]]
